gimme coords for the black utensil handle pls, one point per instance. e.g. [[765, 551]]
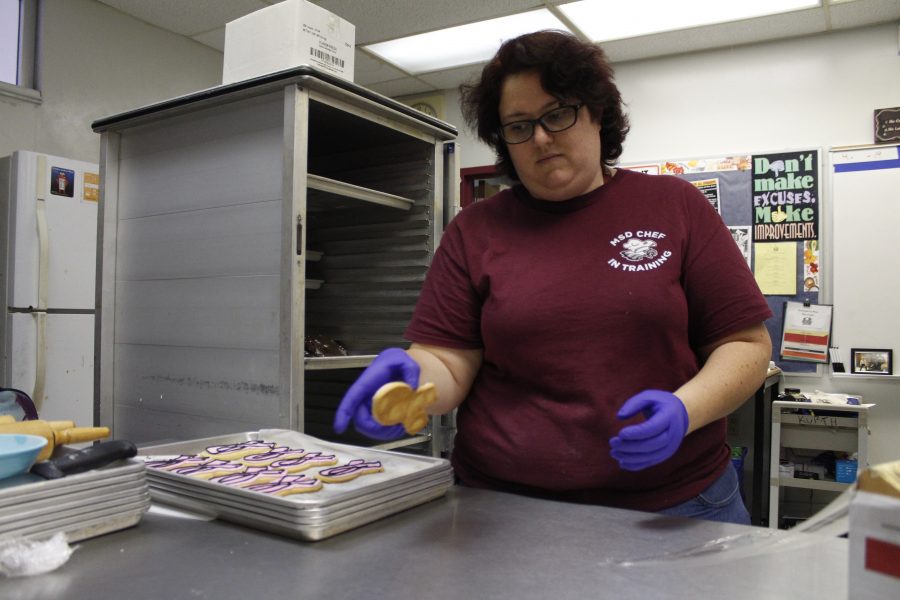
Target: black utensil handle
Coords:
[[95, 456]]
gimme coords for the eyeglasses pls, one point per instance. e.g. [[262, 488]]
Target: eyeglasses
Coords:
[[558, 119]]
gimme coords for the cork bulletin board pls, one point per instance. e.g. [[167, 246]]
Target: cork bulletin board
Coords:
[[771, 202]]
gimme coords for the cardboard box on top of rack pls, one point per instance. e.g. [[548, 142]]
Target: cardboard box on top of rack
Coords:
[[875, 533], [287, 35]]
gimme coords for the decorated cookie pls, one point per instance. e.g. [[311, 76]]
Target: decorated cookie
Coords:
[[250, 476], [288, 485], [237, 451], [351, 470], [308, 460], [170, 464], [267, 458], [396, 402], [209, 469]]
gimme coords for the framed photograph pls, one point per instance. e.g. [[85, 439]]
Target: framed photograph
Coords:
[[872, 361]]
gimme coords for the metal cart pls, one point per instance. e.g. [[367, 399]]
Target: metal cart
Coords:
[[238, 223]]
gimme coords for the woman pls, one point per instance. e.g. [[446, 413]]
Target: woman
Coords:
[[593, 326]]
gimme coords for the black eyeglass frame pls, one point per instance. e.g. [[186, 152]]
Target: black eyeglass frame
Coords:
[[540, 120]]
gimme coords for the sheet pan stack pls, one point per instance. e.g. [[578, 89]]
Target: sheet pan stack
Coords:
[[330, 508], [82, 506]]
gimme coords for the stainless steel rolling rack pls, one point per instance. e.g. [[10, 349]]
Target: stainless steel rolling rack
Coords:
[[240, 221]]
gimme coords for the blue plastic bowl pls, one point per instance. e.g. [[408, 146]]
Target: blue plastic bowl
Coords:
[[18, 452]]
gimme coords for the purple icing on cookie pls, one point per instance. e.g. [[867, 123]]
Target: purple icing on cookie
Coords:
[[213, 465], [356, 466], [281, 453], [307, 460], [231, 448], [185, 460], [287, 483], [250, 476]]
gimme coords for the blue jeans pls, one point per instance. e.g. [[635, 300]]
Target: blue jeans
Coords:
[[721, 501]]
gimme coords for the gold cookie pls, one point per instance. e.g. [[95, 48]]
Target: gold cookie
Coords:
[[396, 402]]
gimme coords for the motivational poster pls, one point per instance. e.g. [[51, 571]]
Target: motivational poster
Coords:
[[785, 196]]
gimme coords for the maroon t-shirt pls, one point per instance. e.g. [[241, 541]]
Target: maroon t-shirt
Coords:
[[579, 305]]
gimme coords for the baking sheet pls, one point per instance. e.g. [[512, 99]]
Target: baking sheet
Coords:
[[407, 480], [310, 533], [51, 495], [104, 525], [301, 512], [100, 519], [398, 468], [16, 491], [86, 501], [80, 513], [362, 505]]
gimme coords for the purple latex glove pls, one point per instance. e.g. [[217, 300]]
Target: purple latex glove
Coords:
[[657, 438], [391, 365]]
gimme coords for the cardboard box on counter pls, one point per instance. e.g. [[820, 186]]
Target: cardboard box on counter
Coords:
[[287, 35], [875, 533]]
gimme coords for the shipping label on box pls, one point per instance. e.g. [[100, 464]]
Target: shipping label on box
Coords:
[[875, 534], [287, 35]]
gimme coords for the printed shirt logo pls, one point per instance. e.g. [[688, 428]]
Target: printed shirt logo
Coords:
[[635, 249], [638, 251]]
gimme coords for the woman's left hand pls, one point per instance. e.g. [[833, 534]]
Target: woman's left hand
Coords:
[[656, 439]]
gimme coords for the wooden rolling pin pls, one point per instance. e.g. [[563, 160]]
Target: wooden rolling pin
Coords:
[[55, 432], [54, 424]]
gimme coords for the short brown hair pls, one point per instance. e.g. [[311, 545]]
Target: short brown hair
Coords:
[[568, 68]]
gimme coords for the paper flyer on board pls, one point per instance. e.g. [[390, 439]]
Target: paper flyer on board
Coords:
[[807, 332]]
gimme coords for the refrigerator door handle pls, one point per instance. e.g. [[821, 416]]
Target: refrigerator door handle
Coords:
[[43, 234], [40, 363], [40, 374]]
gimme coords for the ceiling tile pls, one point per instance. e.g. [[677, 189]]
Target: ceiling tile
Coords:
[[451, 78], [369, 70], [389, 19], [401, 87], [717, 36], [188, 18]]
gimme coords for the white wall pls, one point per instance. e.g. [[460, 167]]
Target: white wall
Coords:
[[815, 91], [96, 62], [812, 92]]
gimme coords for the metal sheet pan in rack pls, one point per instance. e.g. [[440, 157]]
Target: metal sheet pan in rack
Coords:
[[80, 512], [83, 524], [398, 467], [360, 508], [310, 533], [13, 492], [76, 504], [261, 504]]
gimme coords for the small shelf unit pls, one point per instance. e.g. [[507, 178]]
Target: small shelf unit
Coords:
[[815, 426]]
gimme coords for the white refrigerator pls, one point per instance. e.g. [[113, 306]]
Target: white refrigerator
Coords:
[[48, 249]]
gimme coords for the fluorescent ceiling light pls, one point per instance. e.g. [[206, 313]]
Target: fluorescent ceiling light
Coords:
[[602, 20], [462, 45]]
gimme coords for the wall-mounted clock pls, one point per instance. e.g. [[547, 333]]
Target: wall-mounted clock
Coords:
[[426, 108], [431, 104]]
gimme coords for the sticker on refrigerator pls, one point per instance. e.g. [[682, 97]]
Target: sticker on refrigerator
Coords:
[[91, 190], [62, 182]]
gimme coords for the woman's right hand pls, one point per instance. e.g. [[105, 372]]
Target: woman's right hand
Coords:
[[392, 364]]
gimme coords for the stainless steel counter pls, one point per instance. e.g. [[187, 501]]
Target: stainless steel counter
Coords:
[[470, 544]]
